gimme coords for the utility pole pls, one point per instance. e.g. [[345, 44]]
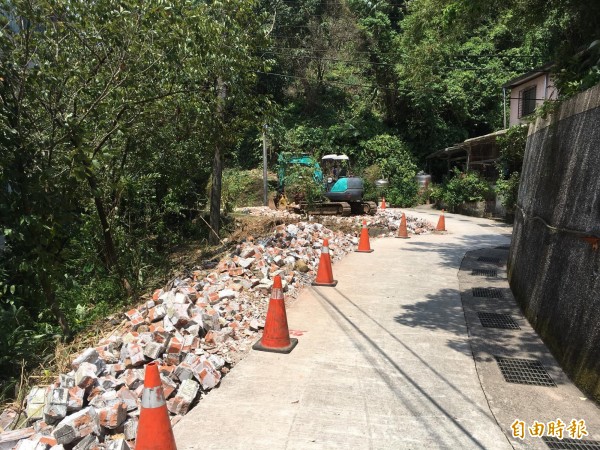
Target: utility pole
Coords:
[[264, 137], [504, 106]]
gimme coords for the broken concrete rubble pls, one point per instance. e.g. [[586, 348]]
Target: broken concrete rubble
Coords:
[[85, 375], [34, 444], [90, 442], [56, 405], [75, 399], [130, 428], [8, 419], [36, 400], [118, 444], [41, 428], [77, 426], [112, 416], [89, 356], [196, 328], [9, 439], [180, 404]]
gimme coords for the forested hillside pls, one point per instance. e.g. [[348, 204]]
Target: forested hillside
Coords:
[[117, 115]]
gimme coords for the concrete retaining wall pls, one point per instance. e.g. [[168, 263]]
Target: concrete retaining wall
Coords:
[[554, 262]]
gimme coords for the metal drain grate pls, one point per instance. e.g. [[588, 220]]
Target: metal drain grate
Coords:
[[524, 371], [568, 444], [489, 259], [487, 292], [485, 272], [493, 320], [502, 247], [485, 225]]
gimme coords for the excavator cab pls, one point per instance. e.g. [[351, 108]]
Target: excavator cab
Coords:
[[344, 192], [346, 189], [339, 186]]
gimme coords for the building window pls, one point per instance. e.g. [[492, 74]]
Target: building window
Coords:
[[527, 101]]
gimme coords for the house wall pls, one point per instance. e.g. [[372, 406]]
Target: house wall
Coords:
[[554, 259], [541, 81]]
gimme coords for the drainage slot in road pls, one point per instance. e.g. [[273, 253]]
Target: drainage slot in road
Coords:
[[524, 371], [489, 259], [485, 272], [487, 292], [493, 320], [568, 444], [502, 247], [485, 225]]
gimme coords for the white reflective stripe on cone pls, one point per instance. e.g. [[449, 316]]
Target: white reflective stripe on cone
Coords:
[[325, 250], [153, 397], [276, 294]]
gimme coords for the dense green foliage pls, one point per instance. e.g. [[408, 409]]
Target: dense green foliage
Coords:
[[462, 188], [395, 163], [508, 188], [303, 184], [116, 116], [110, 115], [240, 188], [512, 151]]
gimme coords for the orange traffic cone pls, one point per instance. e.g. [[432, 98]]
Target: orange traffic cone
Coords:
[[276, 336], [324, 272], [382, 203], [363, 244], [402, 231], [154, 428], [441, 225]]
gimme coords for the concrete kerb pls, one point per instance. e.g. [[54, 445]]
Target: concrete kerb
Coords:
[[508, 401]]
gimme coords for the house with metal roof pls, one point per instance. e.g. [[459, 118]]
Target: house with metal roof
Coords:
[[525, 94]]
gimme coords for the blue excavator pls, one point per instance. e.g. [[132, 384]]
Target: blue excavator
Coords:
[[343, 192]]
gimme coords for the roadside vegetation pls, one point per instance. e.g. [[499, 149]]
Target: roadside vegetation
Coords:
[[461, 188], [127, 128]]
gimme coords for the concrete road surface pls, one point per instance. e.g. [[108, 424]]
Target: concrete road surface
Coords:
[[384, 361]]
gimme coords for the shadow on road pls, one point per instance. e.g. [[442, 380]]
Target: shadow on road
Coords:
[[344, 321], [440, 312], [450, 254]]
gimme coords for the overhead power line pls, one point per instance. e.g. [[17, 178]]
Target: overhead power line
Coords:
[[342, 83], [489, 55], [358, 62], [316, 50], [330, 59]]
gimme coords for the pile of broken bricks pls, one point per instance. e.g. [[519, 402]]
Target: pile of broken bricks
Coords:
[[196, 328], [389, 219], [384, 219]]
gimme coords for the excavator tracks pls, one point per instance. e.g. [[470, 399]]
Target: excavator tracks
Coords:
[[364, 208], [343, 209]]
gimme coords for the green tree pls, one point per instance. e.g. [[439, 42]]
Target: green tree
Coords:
[[109, 116], [464, 187], [396, 163], [232, 100], [509, 165], [455, 56]]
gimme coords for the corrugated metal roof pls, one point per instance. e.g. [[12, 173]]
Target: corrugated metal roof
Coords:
[[447, 151], [528, 76], [486, 137]]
